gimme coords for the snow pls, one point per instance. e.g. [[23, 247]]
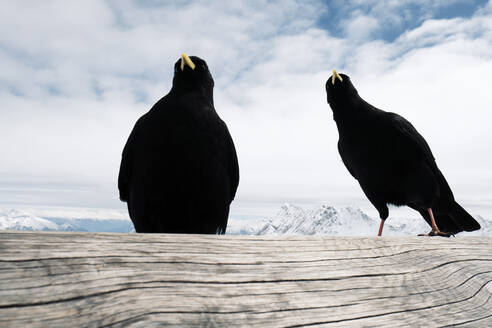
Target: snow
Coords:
[[289, 220], [78, 213], [65, 219], [336, 221], [16, 220]]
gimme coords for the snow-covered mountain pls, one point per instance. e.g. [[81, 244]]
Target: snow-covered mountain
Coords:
[[343, 221], [13, 219], [289, 220], [16, 220]]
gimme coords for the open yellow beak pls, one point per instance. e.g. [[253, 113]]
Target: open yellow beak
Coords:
[[335, 76], [185, 60]]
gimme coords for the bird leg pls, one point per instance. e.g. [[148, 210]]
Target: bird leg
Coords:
[[435, 230], [433, 222], [381, 228]]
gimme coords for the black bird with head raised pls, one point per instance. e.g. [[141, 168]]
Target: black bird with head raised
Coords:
[[392, 162], [179, 170]]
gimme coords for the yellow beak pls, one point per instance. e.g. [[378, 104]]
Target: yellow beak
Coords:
[[185, 60], [335, 76]]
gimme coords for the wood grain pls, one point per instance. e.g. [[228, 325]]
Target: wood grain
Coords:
[[52, 279]]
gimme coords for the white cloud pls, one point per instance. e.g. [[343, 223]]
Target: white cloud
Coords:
[[76, 76], [360, 27]]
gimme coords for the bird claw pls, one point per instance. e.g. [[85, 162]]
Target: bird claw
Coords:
[[433, 233]]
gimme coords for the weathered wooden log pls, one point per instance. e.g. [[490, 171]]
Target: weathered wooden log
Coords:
[[146, 280]]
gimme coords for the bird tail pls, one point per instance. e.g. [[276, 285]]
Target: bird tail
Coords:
[[462, 218]]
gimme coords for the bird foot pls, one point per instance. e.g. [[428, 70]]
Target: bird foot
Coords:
[[433, 233]]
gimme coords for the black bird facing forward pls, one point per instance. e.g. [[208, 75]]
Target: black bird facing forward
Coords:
[[179, 170], [392, 162]]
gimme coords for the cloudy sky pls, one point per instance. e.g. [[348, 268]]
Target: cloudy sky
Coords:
[[76, 75]]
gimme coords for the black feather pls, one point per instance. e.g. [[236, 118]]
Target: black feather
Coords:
[[179, 170], [391, 161]]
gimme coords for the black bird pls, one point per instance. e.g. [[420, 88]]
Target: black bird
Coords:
[[179, 170], [392, 161]]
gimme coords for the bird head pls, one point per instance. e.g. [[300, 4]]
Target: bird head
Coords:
[[339, 89], [192, 74]]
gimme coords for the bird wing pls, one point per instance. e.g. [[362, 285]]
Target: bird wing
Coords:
[[124, 174], [414, 145], [126, 163], [233, 165], [419, 147], [345, 161], [408, 142]]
